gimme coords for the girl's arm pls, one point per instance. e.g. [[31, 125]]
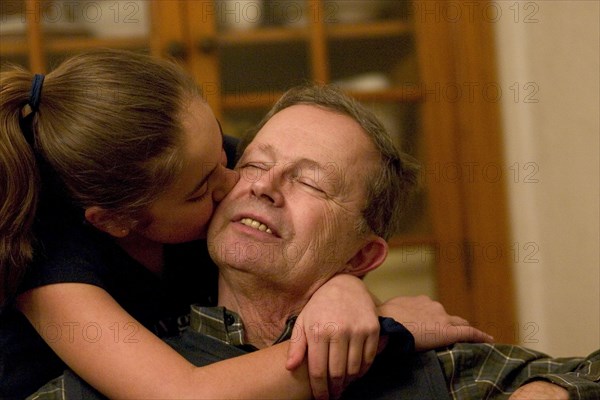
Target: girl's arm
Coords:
[[430, 324], [339, 330], [109, 349]]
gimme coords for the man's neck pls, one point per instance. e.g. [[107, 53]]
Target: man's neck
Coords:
[[264, 311]]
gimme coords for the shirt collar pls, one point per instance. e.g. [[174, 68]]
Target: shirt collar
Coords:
[[227, 326]]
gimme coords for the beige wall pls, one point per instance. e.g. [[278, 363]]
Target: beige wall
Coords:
[[551, 51]]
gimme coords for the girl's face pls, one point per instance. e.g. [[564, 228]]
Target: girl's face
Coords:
[[182, 213]]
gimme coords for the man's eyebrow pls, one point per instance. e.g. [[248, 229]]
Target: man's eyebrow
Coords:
[[309, 162], [327, 174], [267, 148], [258, 147], [304, 161], [207, 176]]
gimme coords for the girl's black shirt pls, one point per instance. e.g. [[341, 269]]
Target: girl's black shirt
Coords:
[[72, 251]]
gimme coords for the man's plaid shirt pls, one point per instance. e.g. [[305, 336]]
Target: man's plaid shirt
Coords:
[[472, 371], [495, 371]]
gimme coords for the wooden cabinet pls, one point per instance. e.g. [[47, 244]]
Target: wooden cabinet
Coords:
[[407, 61]]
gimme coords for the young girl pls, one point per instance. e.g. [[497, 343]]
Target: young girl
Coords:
[[111, 167]]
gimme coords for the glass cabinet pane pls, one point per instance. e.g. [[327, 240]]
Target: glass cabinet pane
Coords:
[[263, 67], [373, 63], [357, 11], [245, 15]]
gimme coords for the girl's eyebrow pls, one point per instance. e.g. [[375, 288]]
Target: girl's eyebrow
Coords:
[[220, 127]]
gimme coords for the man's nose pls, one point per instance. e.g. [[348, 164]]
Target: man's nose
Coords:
[[267, 188], [227, 180]]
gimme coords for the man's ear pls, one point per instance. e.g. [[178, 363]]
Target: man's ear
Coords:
[[106, 222], [370, 256]]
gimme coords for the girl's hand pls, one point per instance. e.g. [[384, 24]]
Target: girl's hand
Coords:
[[340, 327], [430, 324]]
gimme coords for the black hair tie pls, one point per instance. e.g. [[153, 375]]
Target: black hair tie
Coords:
[[36, 92], [26, 122]]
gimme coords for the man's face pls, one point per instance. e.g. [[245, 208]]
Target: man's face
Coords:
[[291, 218]]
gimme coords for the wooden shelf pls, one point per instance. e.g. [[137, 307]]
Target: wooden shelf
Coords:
[[263, 35], [18, 47], [368, 30], [267, 99], [377, 29], [62, 45], [14, 47]]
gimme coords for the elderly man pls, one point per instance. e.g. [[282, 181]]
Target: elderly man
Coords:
[[321, 190]]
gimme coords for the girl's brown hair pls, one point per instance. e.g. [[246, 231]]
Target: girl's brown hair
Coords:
[[109, 128]]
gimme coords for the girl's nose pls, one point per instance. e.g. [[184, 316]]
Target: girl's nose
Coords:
[[226, 181]]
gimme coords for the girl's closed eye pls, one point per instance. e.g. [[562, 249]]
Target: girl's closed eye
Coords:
[[199, 195]]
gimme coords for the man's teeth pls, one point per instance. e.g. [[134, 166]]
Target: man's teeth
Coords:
[[256, 225]]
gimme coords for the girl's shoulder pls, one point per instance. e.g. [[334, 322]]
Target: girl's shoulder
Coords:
[[69, 252]]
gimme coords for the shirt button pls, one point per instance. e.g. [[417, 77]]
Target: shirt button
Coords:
[[229, 320]]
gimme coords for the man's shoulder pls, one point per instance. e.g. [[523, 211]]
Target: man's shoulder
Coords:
[[399, 372], [400, 375]]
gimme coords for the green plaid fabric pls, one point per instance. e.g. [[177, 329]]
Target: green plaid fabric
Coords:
[[219, 323], [495, 371], [53, 390]]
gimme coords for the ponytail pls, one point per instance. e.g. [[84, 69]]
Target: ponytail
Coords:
[[19, 180]]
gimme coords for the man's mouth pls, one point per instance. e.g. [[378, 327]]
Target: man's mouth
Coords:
[[252, 223]]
